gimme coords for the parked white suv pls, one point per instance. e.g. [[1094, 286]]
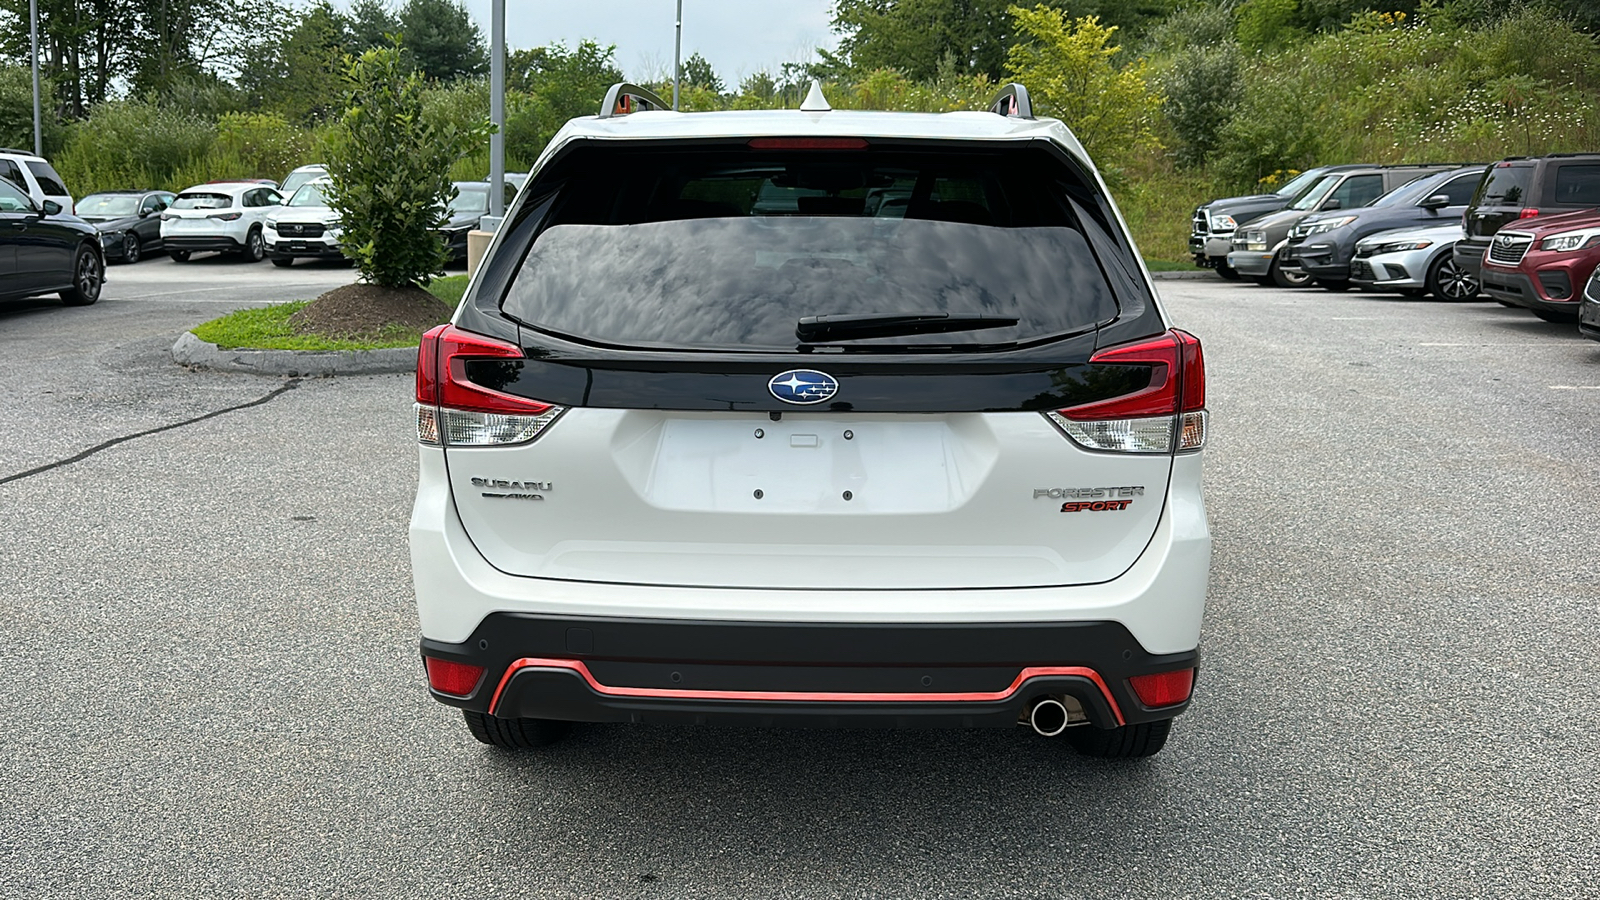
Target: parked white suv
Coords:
[[34, 176], [812, 417], [305, 227], [226, 216]]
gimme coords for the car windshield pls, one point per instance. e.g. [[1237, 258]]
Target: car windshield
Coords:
[[1297, 183], [13, 200], [295, 179], [1315, 193], [689, 250], [199, 200], [309, 195], [473, 198], [108, 206]]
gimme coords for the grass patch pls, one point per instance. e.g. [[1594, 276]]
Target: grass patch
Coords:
[[267, 328], [1163, 265]]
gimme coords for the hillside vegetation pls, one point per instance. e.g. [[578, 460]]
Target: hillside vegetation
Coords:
[[1177, 104]]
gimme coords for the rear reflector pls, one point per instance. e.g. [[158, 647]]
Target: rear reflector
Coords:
[[453, 410], [1171, 406], [453, 678], [1163, 688], [808, 144]]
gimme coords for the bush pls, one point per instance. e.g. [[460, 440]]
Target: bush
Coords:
[[390, 164], [265, 145], [16, 111], [1201, 91], [134, 144]]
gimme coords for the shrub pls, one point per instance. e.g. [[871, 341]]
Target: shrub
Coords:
[[1201, 91], [265, 145], [134, 144], [390, 164]]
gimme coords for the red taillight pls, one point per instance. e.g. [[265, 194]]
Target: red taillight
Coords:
[[1527, 213], [1163, 688], [226, 217], [428, 366], [808, 144], [453, 678], [451, 409], [1144, 421]]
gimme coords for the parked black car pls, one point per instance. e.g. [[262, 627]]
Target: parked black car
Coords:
[[1520, 187], [466, 210], [1589, 308], [129, 222], [1322, 245], [43, 251]]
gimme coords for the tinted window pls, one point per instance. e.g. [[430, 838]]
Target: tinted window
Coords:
[[1460, 189], [202, 200], [1577, 185], [730, 250], [9, 171], [13, 199], [1315, 193], [49, 182], [1506, 185], [1358, 190]]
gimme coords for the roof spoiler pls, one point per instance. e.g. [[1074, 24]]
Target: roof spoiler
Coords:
[[625, 98], [1012, 101]]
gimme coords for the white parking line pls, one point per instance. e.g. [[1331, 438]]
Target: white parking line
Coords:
[[1575, 387]]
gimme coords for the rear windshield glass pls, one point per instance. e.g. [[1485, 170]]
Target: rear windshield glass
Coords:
[[1505, 186], [202, 201], [729, 249], [1577, 185]]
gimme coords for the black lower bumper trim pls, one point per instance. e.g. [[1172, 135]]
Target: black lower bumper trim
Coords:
[[593, 669]]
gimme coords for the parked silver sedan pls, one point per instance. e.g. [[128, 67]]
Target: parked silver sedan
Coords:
[[1413, 261]]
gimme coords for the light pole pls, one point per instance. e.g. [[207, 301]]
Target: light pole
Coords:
[[497, 109], [33, 37], [677, 59]]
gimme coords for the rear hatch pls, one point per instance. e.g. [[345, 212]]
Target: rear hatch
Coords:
[[767, 366], [201, 211], [1501, 198]]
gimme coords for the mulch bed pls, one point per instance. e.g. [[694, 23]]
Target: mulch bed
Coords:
[[367, 309]]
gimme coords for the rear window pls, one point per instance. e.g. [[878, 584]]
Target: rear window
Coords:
[[1505, 185], [728, 249], [1577, 185], [49, 182], [202, 201]]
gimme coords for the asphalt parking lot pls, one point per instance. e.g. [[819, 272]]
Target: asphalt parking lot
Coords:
[[211, 686]]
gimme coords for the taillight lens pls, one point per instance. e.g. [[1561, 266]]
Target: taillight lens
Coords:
[[226, 217], [1169, 414], [453, 678], [1528, 213], [453, 411], [1163, 688]]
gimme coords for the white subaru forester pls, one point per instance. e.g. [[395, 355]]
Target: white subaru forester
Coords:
[[812, 417]]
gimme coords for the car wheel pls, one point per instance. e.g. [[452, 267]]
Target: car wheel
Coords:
[[88, 274], [132, 252], [1333, 284], [179, 255], [1127, 742], [514, 734], [283, 262], [1447, 281], [1286, 278], [255, 247], [1228, 272]]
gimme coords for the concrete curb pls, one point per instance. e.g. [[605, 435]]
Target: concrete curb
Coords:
[[1185, 276], [191, 351]]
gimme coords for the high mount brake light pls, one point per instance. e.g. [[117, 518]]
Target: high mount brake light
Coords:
[[454, 411], [808, 144], [1147, 420]]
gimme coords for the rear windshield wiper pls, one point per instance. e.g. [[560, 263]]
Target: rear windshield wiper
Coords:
[[814, 329]]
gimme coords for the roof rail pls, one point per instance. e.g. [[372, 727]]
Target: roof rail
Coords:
[[1012, 101], [16, 151], [625, 98]]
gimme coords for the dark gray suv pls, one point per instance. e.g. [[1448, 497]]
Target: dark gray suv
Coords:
[[1520, 187]]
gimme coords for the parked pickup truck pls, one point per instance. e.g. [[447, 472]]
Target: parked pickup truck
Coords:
[[1215, 222]]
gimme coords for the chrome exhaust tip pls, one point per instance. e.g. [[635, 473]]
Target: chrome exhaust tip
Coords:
[[1048, 717]]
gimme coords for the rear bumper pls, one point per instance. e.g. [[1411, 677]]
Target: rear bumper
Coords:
[[1468, 256], [202, 242], [592, 669]]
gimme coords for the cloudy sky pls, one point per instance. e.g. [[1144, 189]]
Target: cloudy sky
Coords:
[[739, 37]]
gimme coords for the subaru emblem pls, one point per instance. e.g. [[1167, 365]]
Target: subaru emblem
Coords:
[[803, 386]]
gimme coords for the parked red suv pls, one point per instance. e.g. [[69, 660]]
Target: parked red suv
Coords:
[[1543, 263]]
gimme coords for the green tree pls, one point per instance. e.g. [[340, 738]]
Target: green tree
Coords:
[[698, 72], [441, 39], [564, 83], [1069, 70], [371, 24], [390, 168], [302, 74], [1202, 90], [1268, 24], [16, 111]]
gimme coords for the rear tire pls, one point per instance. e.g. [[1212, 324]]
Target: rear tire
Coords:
[[88, 275], [1447, 282], [179, 255], [132, 252], [1127, 742], [515, 734]]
